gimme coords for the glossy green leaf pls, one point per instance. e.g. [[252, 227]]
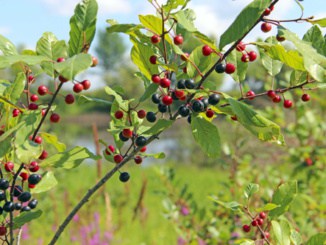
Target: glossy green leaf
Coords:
[[241, 67], [47, 183], [15, 90], [159, 127], [298, 77], [124, 28], [118, 102], [202, 62], [174, 4], [258, 125], [28, 151], [244, 22], [267, 207], [82, 27], [53, 140], [206, 135], [321, 22], [7, 47], [85, 99], [186, 19], [74, 65], [295, 237], [7, 61], [251, 189], [272, 66], [25, 217], [31, 120], [151, 22], [160, 155], [234, 206], [148, 92], [315, 36], [281, 232], [69, 159], [283, 196], [319, 238], [5, 147]]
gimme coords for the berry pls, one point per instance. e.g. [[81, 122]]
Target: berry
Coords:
[[127, 133], [156, 78], [63, 79], [267, 11], [151, 117], [190, 84], [309, 161], [280, 38], [153, 59], [94, 61], [9, 166], [25, 196], [178, 40], [38, 140], [34, 179], [252, 56], [141, 114], [3, 230], [262, 215], [271, 94], [110, 149], [15, 112], [31, 186], [18, 205], [86, 84], [30, 78], [245, 58], [205, 101], [9, 207], [234, 118], [141, 141], [167, 100], [118, 158], [266, 27], [34, 167], [305, 97], [34, 97], [165, 82], [55, 118], [287, 103], [118, 114], [265, 235], [207, 50], [229, 68], [69, 99], [32, 203], [197, 106], [4, 184], [155, 39], [33, 106], [123, 138], [25, 209], [179, 93], [162, 108], [24, 176], [78, 87], [2, 197], [213, 99], [209, 113], [241, 46], [17, 190], [181, 84], [184, 111], [185, 56], [184, 70], [138, 159], [156, 98], [42, 90], [220, 68], [250, 94], [124, 177], [254, 223], [61, 59], [260, 221], [246, 228], [189, 119], [277, 99], [143, 149]]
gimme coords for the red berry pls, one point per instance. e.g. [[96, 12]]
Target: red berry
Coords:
[[42, 90], [229, 68], [245, 58], [184, 69], [156, 78], [30, 78], [250, 94], [309, 161], [167, 100], [32, 106], [271, 8], [185, 56], [271, 94], [15, 112], [118, 158], [155, 39], [179, 93], [78, 87], [305, 97], [254, 223], [3, 230], [277, 99], [127, 133], [38, 140], [34, 167], [234, 118], [265, 235], [43, 112], [31, 186], [9, 166], [246, 228], [252, 56], [43, 155], [178, 40], [143, 149], [138, 159], [70, 99], [110, 149], [280, 38], [262, 215], [54, 118], [209, 113], [24, 175], [266, 27], [165, 82], [86, 84], [61, 59], [153, 59], [94, 61], [141, 114], [63, 79], [118, 114], [287, 104], [34, 97], [267, 11], [260, 221], [207, 50], [241, 47]]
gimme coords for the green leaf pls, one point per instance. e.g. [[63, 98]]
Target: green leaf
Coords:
[[48, 182], [5, 147], [25, 217], [234, 206], [241, 67], [82, 27], [244, 22], [118, 102], [321, 22], [124, 28], [151, 22], [7, 61], [85, 99], [283, 196], [159, 127], [206, 135], [202, 62], [315, 37], [160, 155], [272, 66], [319, 238], [258, 125], [69, 159], [15, 90], [73, 66], [7, 47], [31, 120], [282, 232], [49, 46], [298, 77], [27, 151], [267, 207], [186, 19], [174, 4], [151, 89], [53, 140], [251, 189], [295, 237]]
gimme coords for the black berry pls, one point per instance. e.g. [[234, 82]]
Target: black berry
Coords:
[[156, 98], [25, 196], [34, 179], [4, 184], [190, 84], [123, 138], [25, 209], [141, 141], [214, 99], [220, 68], [184, 111], [181, 84], [124, 177], [2, 195], [9, 207], [151, 117], [18, 205], [32, 203], [198, 106], [162, 108], [17, 190]]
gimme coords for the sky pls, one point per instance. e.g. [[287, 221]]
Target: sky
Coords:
[[23, 22]]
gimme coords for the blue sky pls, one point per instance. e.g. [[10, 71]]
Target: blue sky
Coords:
[[23, 22]]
